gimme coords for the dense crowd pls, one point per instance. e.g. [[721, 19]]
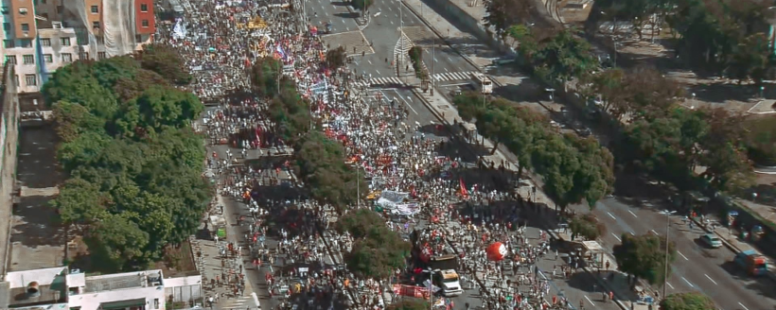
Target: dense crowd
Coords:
[[290, 236]]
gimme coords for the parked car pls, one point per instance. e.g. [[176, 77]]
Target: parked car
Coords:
[[711, 240]]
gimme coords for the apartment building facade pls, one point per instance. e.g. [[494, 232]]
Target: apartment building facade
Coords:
[[40, 36]]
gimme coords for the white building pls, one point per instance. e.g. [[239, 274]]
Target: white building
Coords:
[[55, 288]]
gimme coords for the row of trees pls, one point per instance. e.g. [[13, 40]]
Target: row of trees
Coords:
[[133, 161], [574, 169], [673, 142], [719, 36], [323, 165]]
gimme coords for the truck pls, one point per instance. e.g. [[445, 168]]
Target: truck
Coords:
[[444, 275], [754, 263]]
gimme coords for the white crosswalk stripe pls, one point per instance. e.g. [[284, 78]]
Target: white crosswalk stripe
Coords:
[[453, 76], [244, 302], [380, 81]]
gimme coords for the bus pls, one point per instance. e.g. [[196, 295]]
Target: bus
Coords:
[[485, 84]]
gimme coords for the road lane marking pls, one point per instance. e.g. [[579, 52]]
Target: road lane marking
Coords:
[[447, 69], [611, 215], [631, 212], [710, 279], [615, 237], [590, 301], [742, 306], [409, 105], [688, 282], [682, 255], [378, 72], [669, 285], [347, 28], [654, 232], [369, 61], [435, 60]]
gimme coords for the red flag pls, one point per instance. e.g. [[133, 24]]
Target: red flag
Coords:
[[464, 193]]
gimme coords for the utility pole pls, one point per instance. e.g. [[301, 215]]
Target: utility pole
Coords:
[[668, 231]]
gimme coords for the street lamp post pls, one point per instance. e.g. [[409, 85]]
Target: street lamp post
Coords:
[[668, 234]]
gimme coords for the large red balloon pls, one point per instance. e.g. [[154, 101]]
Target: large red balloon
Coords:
[[496, 251]]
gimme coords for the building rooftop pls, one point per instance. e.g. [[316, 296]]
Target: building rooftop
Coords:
[[20, 296], [100, 284]]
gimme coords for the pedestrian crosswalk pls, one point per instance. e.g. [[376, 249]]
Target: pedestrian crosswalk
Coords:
[[381, 81], [453, 76], [395, 81], [244, 302]]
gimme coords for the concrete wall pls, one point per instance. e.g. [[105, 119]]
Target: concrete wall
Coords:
[[8, 147], [185, 288]]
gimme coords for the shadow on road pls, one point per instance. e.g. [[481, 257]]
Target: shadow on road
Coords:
[[347, 15], [36, 223]]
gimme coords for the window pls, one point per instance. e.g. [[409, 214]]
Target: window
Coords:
[[5, 10], [101, 55], [66, 41], [26, 42], [29, 59], [60, 8], [45, 41], [8, 44], [44, 15], [100, 40], [156, 303], [25, 27], [83, 55], [96, 25], [67, 57], [48, 58], [144, 7], [10, 59], [31, 80], [145, 23], [95, 9], [138, 38], [22, 11]]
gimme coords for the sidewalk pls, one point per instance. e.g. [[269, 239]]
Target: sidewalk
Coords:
[[221, 272]]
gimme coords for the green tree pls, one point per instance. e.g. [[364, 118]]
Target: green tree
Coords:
[[335, 58], [81, 203], [502, 14], [362, 4], [359, 222], [155, 109], [265, 76], [166, 61], [410, 304], [687, 301], [644, 256], [587, 226], [760, 139], [71, 120], [563, 57], [751, 59], [378, 255], [415, 54], [118, 242], [320, 163], [129, 88]]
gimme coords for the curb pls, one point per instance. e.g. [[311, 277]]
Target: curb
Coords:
[[552, 233], [447, 42], [358, 21]]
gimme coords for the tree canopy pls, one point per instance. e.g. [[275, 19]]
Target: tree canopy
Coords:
[[687, 301], [133, 160], [586, 226], [166, 61], [644, 257], [761, 140], [335, 58], [573, 168], [377, 250]]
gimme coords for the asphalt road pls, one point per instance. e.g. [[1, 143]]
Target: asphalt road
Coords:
[[697, 267]]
